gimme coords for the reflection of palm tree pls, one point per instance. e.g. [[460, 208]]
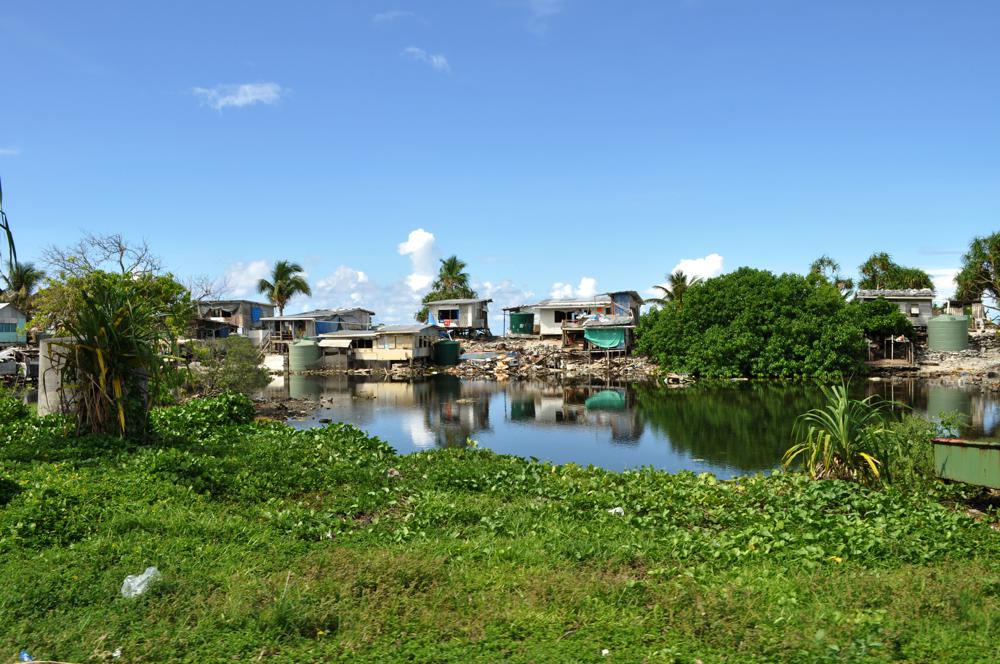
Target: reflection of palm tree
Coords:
[[286, 282], [677, 285]]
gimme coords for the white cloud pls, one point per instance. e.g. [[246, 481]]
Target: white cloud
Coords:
[[437, 61], [391, 15], [9, 152], [240, 94], [944, 281], [241, 278], [541, 9], [586, 288], [705, 267], [504, 294], [419, 246]]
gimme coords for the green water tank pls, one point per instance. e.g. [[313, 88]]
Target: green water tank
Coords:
[[446, 353], [303, 355], [948, 333], [522, 323]]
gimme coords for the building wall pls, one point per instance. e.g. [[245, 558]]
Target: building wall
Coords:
[[12, 328], [469, 315], [924, 306]]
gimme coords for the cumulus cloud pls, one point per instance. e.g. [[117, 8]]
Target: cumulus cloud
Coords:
[[542, 9], [586, 288], [944, 281], [239, 95], [391, 15], [705, 267], [436, 61], [9, 152], [504, 294], [419, 246], [241, 278]]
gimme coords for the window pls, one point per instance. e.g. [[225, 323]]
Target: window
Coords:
[[561, 316], [362, 343], [448, 314], [8, 327], [914, 310]]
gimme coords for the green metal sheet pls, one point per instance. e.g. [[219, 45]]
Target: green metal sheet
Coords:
[[972, 462]]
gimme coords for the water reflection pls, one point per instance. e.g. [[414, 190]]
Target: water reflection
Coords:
[[728, 429]]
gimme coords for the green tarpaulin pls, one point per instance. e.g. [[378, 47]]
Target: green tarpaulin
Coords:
[[606, 337]]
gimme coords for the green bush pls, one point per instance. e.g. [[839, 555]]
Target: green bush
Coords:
[[12, 408], [198, 417], [752, 323], [232, 364]]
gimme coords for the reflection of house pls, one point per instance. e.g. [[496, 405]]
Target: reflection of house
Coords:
[[12, 325], [601, 322], [243, 315], [915, 303], [310, 324], [465, 316], [385, 345]]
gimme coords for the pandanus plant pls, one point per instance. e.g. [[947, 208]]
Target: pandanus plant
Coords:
[[841, 439], [111, 357]]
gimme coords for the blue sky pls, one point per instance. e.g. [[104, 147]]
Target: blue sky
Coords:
[[556, 146]]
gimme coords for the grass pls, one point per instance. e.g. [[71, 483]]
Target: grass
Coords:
[[302, 546]]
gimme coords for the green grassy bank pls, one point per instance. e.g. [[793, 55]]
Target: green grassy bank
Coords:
[[277, 545]]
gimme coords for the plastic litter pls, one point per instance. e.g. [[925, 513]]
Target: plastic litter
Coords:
[[605, 652], [617, 511], [117, 653], [23, 656], [135, 585]]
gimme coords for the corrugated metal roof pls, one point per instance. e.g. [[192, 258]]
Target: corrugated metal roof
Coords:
[[457, 301], [406, 329], [888, 293], [318, 314], [335, 343]]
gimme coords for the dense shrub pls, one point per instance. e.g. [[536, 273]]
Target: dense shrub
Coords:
[[12, 408], [198, 417], [752, 323], [232, 364]]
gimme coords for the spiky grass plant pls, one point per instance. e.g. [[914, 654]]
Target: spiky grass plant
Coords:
[[112, 358], [841, 439]]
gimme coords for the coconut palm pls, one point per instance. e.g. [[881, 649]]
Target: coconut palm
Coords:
[[673, 291], [20, 284], [286, 282], [452, 278]]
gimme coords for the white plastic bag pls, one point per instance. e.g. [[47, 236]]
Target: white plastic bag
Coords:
[[135, 585]]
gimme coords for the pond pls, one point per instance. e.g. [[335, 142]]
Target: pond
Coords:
[[727, 429]]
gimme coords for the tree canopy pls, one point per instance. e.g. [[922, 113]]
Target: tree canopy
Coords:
[[452, 282], [980, 273], [753, 323], [285, 283], [880, 272], [677, 284]]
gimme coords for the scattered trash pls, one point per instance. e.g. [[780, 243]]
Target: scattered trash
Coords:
[[605, 652], [617, 511], [117, 653], [325, 420], [23, 656], [393, 473], [135, 585]]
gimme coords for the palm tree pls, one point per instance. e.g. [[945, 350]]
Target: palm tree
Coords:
[[452, 277], [673, 291], [286, 282], [20, 284]]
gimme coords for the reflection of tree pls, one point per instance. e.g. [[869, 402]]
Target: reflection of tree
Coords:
[[455, 411], [746, 425]]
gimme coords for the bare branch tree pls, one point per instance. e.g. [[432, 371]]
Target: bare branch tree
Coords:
[[102, 252], [204, 288]]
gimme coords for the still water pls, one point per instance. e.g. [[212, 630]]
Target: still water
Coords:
[[729, 429]]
